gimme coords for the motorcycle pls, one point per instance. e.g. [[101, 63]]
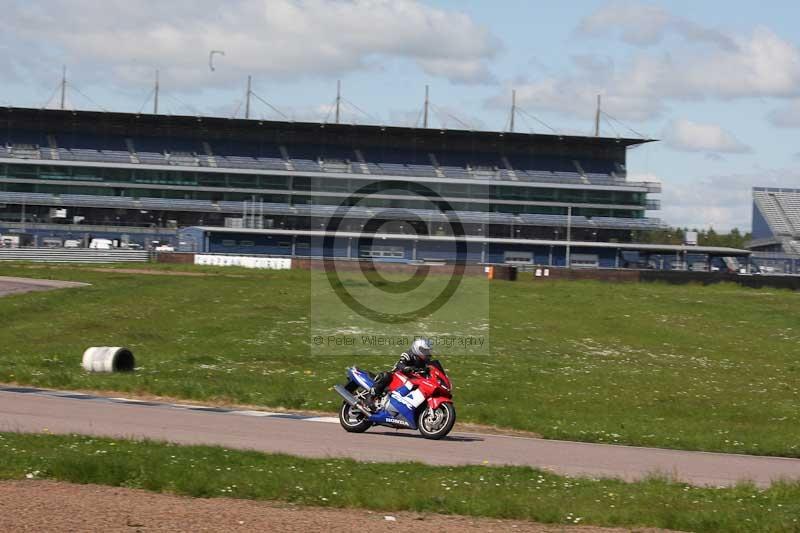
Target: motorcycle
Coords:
[[421, 402]]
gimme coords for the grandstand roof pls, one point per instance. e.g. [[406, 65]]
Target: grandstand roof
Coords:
[[113, 123]]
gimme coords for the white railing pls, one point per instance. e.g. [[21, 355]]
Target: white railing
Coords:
[[81, 255]]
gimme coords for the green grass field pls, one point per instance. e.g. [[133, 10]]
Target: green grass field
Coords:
[[706, 368], [520, 493]]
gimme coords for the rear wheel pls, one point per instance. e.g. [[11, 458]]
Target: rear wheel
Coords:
[[351, 419], [436, 423]]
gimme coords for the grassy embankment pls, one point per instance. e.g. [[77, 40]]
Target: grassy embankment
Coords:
[[520, 493], [707, 368]]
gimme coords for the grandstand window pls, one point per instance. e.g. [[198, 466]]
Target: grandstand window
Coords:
[[228, 243], [117, 174], [331, 185], [518, 257], [568, 195], [237, 197], [147, 176], [452, 189], [49, 172], [511, 193], [21, 187], [598, 196], [462, 206], [241, 180], [167, 193], [22, 171], [212, 180], [382, 251], [545, 194], [301, 183], [247, 243], [273, 182], [479, 191]]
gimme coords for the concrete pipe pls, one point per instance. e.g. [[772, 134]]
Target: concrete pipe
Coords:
[[107, 359]]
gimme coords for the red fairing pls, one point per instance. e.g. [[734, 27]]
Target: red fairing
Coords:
[[436, 401], [435, 386], [398, 380]]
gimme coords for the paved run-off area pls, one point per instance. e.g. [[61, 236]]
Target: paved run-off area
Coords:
[[34, 410]]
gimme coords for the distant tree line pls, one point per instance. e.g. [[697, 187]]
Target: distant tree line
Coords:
[[709, 237]]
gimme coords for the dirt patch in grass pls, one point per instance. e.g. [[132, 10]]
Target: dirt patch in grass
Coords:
[[14, 285], [163, 271], [34, 505], [149, 272]]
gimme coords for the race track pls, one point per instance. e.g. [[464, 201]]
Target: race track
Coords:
[[35, 410]]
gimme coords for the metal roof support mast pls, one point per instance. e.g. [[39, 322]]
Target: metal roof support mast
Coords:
[[155, 96], [63, 85], [513, 109], [247, 97], [425, 113], [338, 98], [597, 118]]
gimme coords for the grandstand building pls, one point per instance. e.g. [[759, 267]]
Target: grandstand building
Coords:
[[529, 198], [776, 230]]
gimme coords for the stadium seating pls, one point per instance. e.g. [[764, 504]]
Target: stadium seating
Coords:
[[168, 151], [780, 208], [467, 217]]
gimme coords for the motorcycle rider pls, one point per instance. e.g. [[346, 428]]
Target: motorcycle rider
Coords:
[[415, 360]]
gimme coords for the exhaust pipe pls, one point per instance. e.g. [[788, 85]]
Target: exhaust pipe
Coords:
[[349, 398]]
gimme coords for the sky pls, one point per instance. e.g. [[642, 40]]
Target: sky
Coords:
[[716, 82]]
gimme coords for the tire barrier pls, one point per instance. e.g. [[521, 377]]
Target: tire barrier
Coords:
[[108, 359]]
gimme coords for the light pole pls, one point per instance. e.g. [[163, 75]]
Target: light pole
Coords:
[[569, 233]]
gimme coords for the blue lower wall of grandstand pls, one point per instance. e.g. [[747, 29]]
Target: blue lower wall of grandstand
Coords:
[[384, 249], [402, 250]]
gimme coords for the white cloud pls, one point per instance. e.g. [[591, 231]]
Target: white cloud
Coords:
[[626, 94], [645, 25], [280, 39], [688, 136], [705, 64], [723, 201], [787, 116]]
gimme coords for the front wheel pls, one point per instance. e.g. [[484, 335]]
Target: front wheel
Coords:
[[437, 423]]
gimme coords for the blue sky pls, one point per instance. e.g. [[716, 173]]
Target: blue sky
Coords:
[[717, 82]]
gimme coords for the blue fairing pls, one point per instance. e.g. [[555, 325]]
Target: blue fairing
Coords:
[[396, 414], [361, 377]]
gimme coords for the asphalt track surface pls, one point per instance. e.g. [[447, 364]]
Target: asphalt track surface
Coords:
[[36, 410]]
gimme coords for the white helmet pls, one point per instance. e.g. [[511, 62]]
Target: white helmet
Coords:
[[421, 348]]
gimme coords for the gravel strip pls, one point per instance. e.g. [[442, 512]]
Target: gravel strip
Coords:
[[42, 506]]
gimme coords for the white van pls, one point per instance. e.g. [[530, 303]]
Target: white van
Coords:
[[101, 244], [9, 241]]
